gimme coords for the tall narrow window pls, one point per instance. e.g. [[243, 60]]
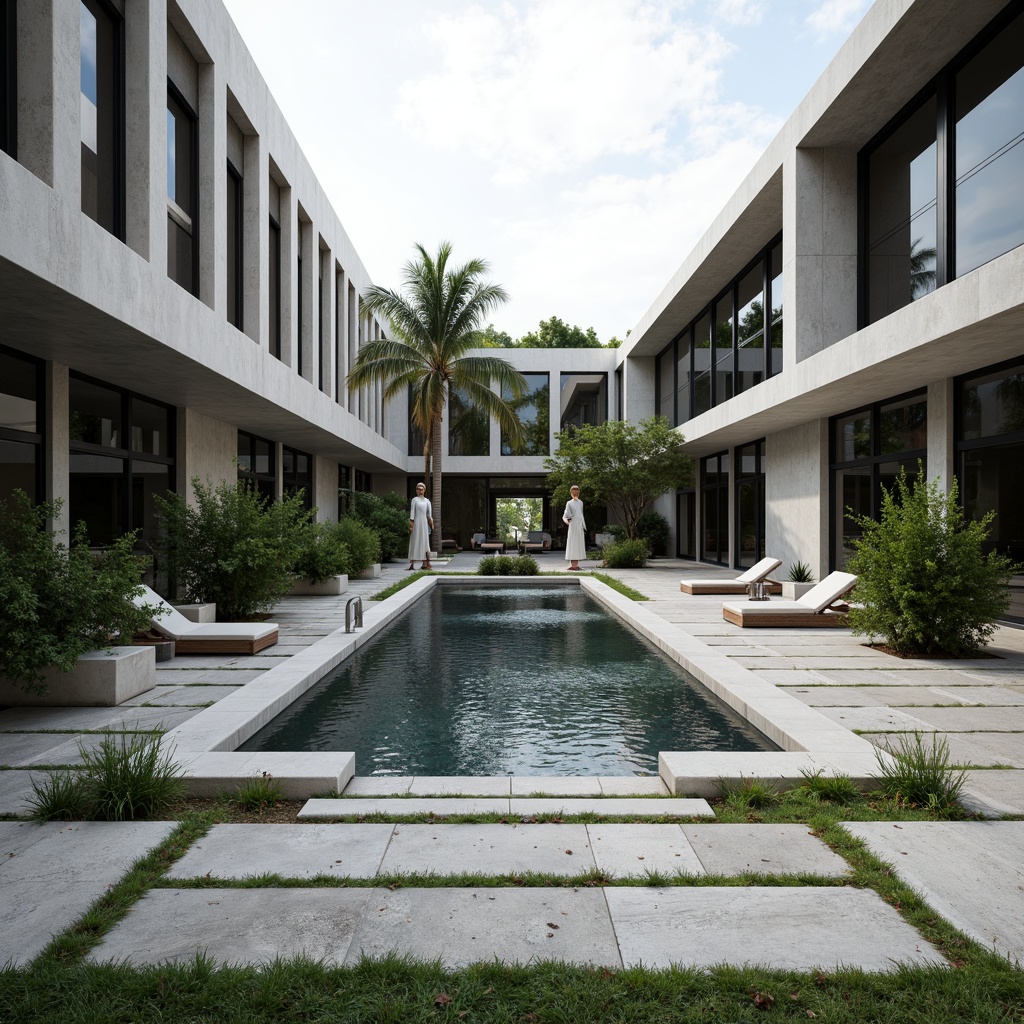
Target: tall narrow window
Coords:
[[320, 328], [298, 318], [749, 503], [297, 474], [274, 288], [775, 284], [102, 114], [714, 488], [8, 79], [234, 230], [182, 198], [534, 414], [21, 437], [750, 366]]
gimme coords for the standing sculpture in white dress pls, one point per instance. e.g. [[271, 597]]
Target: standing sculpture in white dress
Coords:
[[421, 522], [576, 542]]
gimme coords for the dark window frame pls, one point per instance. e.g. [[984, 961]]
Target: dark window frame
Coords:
[[9, 78], [251, 475], [274, 286], [758, 479], [175, 95], [721, 488], [236, 252], [37, 438], [290, 479]]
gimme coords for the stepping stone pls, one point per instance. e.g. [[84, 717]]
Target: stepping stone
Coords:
[[991, 793], [790, 928], [530, 785], [236, 926], [325, 807], [971, 872], [292, 851], [464, 926], [634, 785], [488, 849], [457, 785], [378, 785], [627, 851], [626, 806], [768, 849]]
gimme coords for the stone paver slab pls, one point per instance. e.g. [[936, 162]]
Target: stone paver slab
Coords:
[[528, 785], [22, 748], [489, 849], [981, 748], [236, 926], [627, 851], [458, 785], [994, 792], [971, 872], [633, 785], [378, 785], [292, 851], [1001, 719], [769, 849], [16, 791], [878, 719], [324, 807], [791, 928], [641, 807], [464, 926]]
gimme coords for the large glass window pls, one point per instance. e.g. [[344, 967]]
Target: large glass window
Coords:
[[870, 447], [749, 473], [20, 427], [667, 383], [750, 363], [533, 409], [583, 399], [469, 427], [8, 79], [182, 197], [102, 114], [297, 473], [257, 463], [234, 245], [274, 288], [714, 499], [941, 189], [775, 286], [121, 455]]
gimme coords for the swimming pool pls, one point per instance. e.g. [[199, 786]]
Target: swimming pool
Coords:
[[533, 680]]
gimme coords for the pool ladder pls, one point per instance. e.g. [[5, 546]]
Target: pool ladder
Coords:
[[353, 614]]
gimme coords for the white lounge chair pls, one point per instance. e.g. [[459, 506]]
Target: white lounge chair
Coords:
[[206, 637], [755, 574], [818, 607]]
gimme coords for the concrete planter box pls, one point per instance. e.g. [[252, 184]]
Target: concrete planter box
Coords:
[[198, 612], [330, 587], [99, 679], [794, 591], [372, 573]]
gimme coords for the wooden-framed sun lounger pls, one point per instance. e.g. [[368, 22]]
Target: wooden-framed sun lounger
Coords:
[[820, 607], [207, 637], [755, 574]]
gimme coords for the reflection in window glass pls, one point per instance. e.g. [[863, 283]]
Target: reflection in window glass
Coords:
[[853, 437], [666, 384], [18, 465], [533, 410], [723, 349], [95, 414], [993, 405], [149, 428], [100, 88], [990, 479], [297, 474], [148, 479], [702, 365], [469, 427], [750, 329], [902, 214], [775, 300], [584, 399], [18, 390], [683, 378], [181, 193], [853, 490], [750, 503], [903, 426], [989, 155], [97, 495]]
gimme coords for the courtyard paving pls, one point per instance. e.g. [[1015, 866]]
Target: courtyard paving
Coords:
[[971, 872]]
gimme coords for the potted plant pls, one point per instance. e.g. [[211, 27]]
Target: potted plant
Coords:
[[799, 581]]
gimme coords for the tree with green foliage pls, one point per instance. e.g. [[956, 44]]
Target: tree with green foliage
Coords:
[[491, 337], [57, 602], [388, 515], [555, 333], [624, 466], [434, 327], [925, 584], [233, 546]]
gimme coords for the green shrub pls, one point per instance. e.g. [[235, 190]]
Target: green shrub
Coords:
[[800, 572], [58, 602], [626, 554], [920, 775], [362, 542], [653, 527], [488, 566], [525, 565], [834, 789], [617, 531], [748, 794], [257, 793], [125, 778], [388, 515], [926, 586], [321, 553], [232, 546]]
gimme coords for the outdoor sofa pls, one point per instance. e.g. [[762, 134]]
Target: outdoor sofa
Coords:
[[755, 574], [206, 637], [820, 606]]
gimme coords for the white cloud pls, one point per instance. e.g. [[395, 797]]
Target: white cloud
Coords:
[[836, 17], [741, 12], [553, 85]]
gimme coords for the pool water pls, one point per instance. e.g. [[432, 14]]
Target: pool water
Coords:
[[518, 681]]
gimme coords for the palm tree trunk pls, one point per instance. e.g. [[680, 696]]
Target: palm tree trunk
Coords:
[[435, 494]]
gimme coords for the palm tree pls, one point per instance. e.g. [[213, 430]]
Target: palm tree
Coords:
[[433, 327]]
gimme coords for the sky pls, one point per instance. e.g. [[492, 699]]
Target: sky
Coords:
[[580, 147]]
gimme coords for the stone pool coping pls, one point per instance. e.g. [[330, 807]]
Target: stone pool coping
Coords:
[[206, 745]]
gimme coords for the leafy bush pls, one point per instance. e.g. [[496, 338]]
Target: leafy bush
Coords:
[[321, 553], [926, 586], [362, 541], [388, 515], [800, 572], [232, 546], [488, 565], [126, 778], [497, 565], [653, 527], [920, 775], [617, 531], [525, 565], [59, 602], [626, 554]]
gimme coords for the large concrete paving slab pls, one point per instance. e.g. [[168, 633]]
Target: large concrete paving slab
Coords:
[[236, 926], [633, 785], [463, 926], [971, 872], [324, 807], [378, 785], [488, 849], [633, 851], [542, 785], [767, 849], [993, 793], [458, 785], [640, 807], [999, 719], [292, 851], [789, 928], [975, 748], [877, 719], [51, 874], [16, 790], [23, 748]]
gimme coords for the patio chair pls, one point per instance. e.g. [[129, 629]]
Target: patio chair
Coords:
[[534, 543], [206, 637], [755, 574], [820, 606], [493, 545]]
